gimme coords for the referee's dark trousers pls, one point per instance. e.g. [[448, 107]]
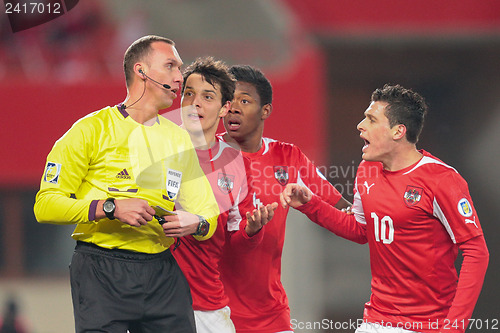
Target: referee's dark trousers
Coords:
[[116, 291]]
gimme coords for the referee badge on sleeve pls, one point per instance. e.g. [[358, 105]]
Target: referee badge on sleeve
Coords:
[[52, 172], [173, 183]]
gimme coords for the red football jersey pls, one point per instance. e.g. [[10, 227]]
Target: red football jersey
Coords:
[[252, 277], [225, 169], [414, 220]]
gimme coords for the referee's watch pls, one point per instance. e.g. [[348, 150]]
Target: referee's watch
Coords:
[[109, 208], [203, 227]]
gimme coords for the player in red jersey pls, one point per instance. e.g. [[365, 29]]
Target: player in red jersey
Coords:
[[415, 212], [253, 279], [206, 97]]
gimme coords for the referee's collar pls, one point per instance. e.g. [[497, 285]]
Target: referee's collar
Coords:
[[121, 107]]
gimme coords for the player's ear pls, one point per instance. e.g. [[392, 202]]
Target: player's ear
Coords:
[[399, 132], [139, 70], [266, 111], [225, 109]]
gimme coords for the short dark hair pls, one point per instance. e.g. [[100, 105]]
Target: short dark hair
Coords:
[[404, 107], [137, 51], [213, 71], [254, 76]]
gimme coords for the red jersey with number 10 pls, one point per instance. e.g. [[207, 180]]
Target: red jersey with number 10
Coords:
[[414, 220], [252, 278]]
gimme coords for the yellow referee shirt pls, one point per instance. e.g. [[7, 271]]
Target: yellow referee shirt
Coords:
[[108, 154]]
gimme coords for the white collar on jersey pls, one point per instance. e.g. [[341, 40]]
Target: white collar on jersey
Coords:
[[427, 160], [222, 145], [266, 142]]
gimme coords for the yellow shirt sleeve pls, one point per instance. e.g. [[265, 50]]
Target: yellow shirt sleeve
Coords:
[[65, 170]]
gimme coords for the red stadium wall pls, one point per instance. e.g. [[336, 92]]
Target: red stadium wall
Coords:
[[396, 16]]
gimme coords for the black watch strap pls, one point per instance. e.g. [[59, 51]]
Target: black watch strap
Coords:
[[109, 208]]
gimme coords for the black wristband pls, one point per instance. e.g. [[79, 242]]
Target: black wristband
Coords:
[[109, 208]]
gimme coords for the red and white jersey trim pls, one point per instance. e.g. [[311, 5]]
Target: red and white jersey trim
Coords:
[[267, 141], [426, 160], [357, 209], [438, 212]]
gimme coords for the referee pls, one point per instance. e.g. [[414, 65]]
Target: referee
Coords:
[[105, 174]]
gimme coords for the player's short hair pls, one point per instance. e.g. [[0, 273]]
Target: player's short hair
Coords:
[[404, 107], [137, 51], [214, 72], [254, 76]]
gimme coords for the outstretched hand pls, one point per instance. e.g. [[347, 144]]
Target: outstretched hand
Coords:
[[259, 218], [295, 195]]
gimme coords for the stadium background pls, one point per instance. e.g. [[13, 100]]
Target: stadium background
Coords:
[[324, 58]]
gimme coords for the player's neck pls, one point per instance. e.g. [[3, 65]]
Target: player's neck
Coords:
[[203, 140], [142, 111], [251, 144], [402, 158]]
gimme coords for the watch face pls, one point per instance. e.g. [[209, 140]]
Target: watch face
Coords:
[[108, 206]]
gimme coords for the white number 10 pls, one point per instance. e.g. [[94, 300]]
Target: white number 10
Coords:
[[384, 229]]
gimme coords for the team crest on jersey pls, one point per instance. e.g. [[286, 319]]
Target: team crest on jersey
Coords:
[[413, 195], [281, 174], [52, 172], [464, 207], [225, 183], [173, 183]]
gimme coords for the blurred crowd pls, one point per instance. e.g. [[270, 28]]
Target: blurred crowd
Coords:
[[81, 45]]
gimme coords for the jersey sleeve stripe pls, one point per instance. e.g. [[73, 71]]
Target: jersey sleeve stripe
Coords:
[[300, 181], [357, 209], [437, 212], [234, 216]]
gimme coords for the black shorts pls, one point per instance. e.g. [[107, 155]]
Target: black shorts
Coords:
[[118, 290]]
